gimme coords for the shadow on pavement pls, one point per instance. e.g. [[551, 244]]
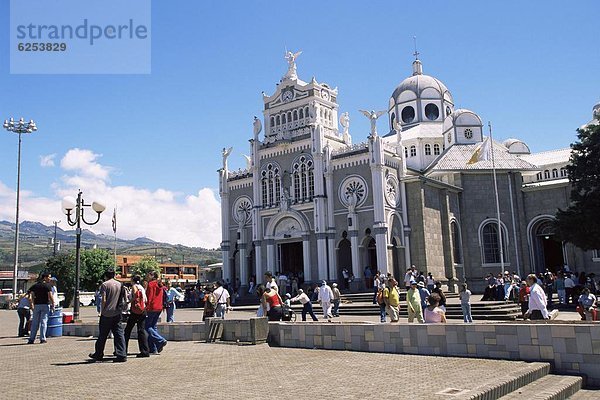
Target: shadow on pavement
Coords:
[[14, 344], [86, 362]]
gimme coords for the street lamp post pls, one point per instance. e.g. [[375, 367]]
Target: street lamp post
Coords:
[[19, 128], [79, 205]]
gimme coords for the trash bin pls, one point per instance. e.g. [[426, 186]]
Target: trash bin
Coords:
[[55, 323]]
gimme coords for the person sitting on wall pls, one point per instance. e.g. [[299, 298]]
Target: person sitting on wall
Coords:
[[586, 305]]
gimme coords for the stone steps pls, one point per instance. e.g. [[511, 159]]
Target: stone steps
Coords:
[[586, 395], [549, 387], [505, 385]]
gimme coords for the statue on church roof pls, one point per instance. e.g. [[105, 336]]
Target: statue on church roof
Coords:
[[345, 121], [248, 161], [291, 59], [226, 153], [257, 126], [372, 116]]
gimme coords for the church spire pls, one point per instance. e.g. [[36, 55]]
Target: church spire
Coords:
[[417, 65]]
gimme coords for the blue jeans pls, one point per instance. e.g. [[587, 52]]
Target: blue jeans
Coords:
[[336, 308], [382, 312], [154, 338], [308, 309], [39, 320], [466, 310], [106, 326], [220, 310], [171, 312]]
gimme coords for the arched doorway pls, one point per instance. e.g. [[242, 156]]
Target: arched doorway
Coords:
[[344, 256], [372, 254], [547, 249], [394, 250]]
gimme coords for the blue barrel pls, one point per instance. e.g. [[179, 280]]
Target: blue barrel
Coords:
[[55, 323]]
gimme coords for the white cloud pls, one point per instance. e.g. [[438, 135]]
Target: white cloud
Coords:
[[162, 215], [84, 162], [47, 161]]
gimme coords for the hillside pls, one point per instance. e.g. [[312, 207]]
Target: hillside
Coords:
[[35, 246]]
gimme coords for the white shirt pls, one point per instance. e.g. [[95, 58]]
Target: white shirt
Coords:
[[408, 277], [430, 281], [272, 285], [221, 295], [302, 298], [538, 300], [325, 294]]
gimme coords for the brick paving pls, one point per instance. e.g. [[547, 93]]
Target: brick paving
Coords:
[[58, 370]]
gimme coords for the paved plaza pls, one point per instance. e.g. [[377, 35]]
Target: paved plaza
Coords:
[[59, 370]]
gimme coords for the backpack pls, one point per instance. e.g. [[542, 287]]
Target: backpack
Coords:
[[211, 301], [380, 297], [165, 298], [138, 305], [123, 304]]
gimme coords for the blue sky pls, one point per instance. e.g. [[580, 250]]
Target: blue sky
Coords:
[[529, 67]]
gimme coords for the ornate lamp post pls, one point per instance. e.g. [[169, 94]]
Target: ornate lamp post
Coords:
[[19, 128], [74, 219]]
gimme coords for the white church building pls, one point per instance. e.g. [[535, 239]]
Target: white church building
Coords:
[[312, 202]]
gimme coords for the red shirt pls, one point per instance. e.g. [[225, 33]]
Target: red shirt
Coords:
[[154, 293], [273, 300], [524, 294]]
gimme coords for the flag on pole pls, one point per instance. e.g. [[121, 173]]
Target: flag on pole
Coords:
[[482, 152], [114, 220]]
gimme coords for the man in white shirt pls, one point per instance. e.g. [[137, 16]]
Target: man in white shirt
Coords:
[[223, 300], [538, 301], [270, 282], [325, 297], [569, 285], [408, 277], [283, 284], [306, 305]]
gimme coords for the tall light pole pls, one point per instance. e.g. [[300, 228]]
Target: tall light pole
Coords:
[[19, 128], [68, 204], [55, 247]]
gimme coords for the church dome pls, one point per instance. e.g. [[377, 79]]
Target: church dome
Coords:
[[419, 83], [419, 99]]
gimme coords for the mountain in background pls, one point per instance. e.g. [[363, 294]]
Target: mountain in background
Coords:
[[35, 246]]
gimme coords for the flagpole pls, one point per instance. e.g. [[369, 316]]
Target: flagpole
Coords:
[[497, 200], [114, 221]]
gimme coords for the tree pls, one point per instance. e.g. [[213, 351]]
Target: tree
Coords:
[[94, 264], [62, 266], [578, 223], [145, 265]]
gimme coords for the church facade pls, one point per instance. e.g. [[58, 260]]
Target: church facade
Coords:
[[312, 202]]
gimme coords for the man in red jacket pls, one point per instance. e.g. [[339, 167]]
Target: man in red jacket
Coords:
[[154, 293]]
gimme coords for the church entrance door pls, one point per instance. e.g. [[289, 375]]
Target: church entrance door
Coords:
[[549, 251], [291, 259]]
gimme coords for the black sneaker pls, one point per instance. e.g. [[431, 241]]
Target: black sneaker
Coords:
[[142, 355], [120, 359], [94, 358], [161, 347]]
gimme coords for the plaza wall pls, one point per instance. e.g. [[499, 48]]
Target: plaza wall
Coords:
[[570, 349]]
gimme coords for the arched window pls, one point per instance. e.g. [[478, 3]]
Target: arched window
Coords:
[[563, 172], [546, 174], [306, 114], [539, 176], [272, 122], [490, 243], [303, 178], [406, 152], [295, 115], [270, 185], [278, 121], [427, 149], [283, 119], [289, 115], [393, 120], [456, 244], [436, 149], [555, 173], [301, 113], [413, 151]]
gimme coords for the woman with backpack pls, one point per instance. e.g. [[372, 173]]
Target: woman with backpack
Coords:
[[210, 302], [137, 316]]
